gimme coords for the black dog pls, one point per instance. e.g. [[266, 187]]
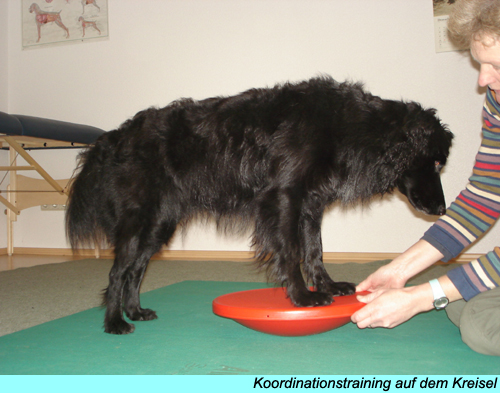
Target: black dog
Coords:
[[276, 157]]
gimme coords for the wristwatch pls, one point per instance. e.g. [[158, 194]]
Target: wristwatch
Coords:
[[440, 299]]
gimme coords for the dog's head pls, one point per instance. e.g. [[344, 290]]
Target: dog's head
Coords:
[[420, 155], [422, 186]]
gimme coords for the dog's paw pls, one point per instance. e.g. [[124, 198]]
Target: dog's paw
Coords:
[[118, 327], [141, 314], [311, 299], [341, 288]]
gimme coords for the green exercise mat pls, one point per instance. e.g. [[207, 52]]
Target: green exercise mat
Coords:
[[189, 339]]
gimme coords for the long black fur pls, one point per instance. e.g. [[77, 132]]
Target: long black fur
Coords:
[[274, 157]]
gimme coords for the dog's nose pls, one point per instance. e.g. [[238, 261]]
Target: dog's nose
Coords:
[[441, 210]]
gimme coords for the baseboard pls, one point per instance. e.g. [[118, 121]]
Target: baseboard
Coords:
[[236, 256]]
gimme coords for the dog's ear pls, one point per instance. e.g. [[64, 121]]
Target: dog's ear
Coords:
[[426, 132], [400, 154], [422, 135], [418, 137], [413, 137]]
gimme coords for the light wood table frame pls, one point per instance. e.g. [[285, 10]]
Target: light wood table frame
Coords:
[[24, 192]]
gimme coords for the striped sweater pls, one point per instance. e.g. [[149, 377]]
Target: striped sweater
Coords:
[[474, 211]]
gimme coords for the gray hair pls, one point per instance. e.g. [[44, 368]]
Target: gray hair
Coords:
[[475, 20]]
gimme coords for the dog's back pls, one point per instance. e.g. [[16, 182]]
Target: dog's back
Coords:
[[221, 155]]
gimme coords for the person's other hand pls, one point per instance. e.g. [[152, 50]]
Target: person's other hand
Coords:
[[390, 307]]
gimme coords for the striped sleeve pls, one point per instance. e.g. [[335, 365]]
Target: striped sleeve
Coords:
[[478, 276], [474, 211]]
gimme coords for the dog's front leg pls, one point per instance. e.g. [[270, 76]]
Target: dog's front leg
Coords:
[[300, 295], [313, 266], [280, 244]]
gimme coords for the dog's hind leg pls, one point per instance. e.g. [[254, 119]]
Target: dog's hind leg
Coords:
[[114, 322], [122, 294], [132, 304], [135, 244], [131, 298]]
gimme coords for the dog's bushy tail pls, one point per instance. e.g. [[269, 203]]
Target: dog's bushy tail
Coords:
[[83, 228]]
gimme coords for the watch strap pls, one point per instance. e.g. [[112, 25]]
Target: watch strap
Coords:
[[436, 289]]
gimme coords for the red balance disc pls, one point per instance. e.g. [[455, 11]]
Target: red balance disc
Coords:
[[269, 311]]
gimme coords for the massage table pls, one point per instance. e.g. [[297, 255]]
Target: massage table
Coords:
[[20, 134]]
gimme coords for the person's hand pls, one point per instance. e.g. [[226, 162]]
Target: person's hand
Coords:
[[389, 303], [395, 274], [389, 307], [386, 277]]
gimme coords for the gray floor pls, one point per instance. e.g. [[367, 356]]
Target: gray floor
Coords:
[[33, 295]]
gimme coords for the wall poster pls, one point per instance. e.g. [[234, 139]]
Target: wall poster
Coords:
[[52, 22]]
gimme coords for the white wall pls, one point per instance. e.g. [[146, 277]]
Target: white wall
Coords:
[[161, 50], [4, 39], [4, 99]]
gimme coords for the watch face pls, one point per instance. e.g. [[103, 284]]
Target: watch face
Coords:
[[441, 303]]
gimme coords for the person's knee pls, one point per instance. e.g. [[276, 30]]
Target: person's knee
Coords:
[[454, 311], [480, 323]]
